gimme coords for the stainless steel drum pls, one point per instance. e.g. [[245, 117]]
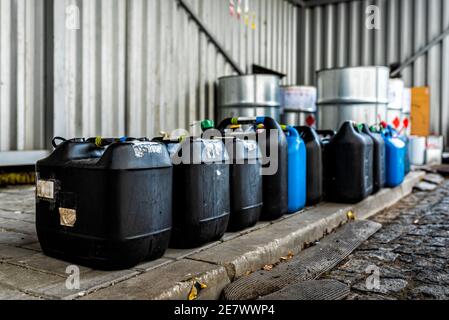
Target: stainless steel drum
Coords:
[[294, 118], [395, 103], [356, 93], [406, 110], [248, 96], [298, 105], [333, 116]]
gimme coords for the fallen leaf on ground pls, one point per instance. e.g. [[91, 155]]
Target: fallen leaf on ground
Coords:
[[289, 256], [268, 267], [351, 215], [196, 288]]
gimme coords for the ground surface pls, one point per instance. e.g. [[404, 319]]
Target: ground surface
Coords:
[[410, 252]]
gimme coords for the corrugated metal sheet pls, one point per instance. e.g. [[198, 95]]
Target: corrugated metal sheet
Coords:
[[335, 36], [141, 66], [21, 75]]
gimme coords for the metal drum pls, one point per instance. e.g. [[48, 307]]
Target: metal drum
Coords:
[[249, 96], [299, 105], [406, 111], [357, 93], [395, 105], [331, 117]]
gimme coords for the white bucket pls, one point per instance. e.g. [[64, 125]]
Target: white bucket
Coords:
[[417, 150]]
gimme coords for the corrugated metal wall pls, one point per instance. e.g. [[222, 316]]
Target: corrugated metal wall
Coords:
[[141, 66], [21, 75], [335, 36]]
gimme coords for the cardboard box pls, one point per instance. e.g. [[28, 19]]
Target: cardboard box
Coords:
[[420, 114]]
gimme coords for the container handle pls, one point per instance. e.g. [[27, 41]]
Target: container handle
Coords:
[[268, 122], [53, 141], [291, 131], [326, 133]]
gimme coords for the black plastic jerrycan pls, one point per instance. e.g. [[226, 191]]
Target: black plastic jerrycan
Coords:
[[104, 203], [274, 162], [369, 159], [314, 164], [246, 180], [327, 161], [351, 157], [201, 191], [379, 158]]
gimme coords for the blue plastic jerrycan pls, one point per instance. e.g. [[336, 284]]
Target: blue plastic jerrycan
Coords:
[[297, 166], [407, 164], [403, 137], [395, 159]]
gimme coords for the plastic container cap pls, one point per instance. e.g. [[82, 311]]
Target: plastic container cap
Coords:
[[207, 124]]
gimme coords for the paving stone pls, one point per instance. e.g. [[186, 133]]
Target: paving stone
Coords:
[[433, 277], [382, 255], [386, 286], [150, 265], [430, 292], [89, 281], [172, 281], [17, 204], [8, 293], [179, 254], [434, 178], [24, 279], [18, 226], [35, 246], [41, 262], [14, 238], [369, 297], [11, 252], [426, 186], [232, 235], [18, 215]]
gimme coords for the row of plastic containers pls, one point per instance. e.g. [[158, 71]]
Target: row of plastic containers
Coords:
[[359, 161], [112, 203]]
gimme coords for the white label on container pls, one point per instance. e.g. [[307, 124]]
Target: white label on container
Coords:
[[250, 145], [300, 98], [67, 217], [213, 149], [142, 148], [45, 189]]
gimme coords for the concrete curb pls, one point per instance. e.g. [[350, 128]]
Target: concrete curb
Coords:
[[220, 264], [387, 197]]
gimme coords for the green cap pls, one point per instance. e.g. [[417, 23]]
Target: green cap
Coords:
[[207, 124]]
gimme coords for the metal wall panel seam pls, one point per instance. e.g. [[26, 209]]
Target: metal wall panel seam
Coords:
[[6, 75], [406, 38], [420, 37], [380, 35], [434, 64], [444, 116]]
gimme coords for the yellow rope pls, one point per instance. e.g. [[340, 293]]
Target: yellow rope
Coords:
[[17, 178]]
